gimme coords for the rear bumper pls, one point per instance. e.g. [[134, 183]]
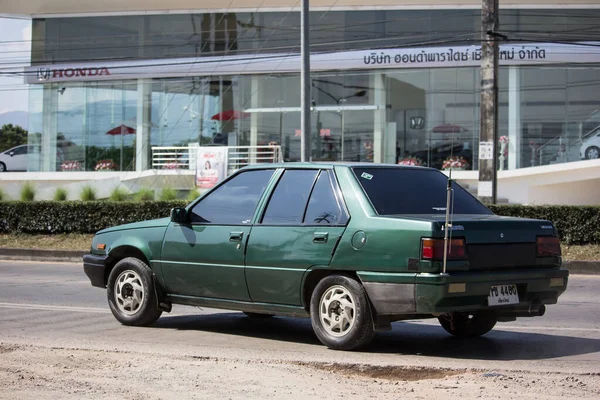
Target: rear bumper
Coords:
[[397, 294], [94, 267]]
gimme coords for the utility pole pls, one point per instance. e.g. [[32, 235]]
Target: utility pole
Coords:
[[305, 100], [488, 133]]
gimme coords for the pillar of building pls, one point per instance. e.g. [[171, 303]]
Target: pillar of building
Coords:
[[254, 104], [379, 119], [144, 125], [514, 117], [49, 128]]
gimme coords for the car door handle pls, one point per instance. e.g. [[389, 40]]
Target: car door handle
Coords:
[[320, 237], [236, 236]]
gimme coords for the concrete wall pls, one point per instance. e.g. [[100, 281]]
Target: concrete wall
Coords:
[[575, 183], [104, 183]]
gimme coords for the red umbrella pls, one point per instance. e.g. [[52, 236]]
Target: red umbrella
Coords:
[[448, 128], [121, 130], [229, 115]]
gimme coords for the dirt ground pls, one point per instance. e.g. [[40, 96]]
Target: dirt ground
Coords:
[[74, 373]]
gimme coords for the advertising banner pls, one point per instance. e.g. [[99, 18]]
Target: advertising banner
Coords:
[[211, 166], [414, 57]]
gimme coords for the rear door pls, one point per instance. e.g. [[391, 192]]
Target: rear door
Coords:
[[299, 229]]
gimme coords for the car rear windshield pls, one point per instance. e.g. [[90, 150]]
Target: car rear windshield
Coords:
[[397, 190]]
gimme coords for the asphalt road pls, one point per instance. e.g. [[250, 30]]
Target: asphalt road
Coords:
[[53, 305]]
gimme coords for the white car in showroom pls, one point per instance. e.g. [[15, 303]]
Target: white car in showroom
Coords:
[[590, 149], [14, 159]]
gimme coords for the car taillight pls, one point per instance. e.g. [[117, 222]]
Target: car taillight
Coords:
[[548, 246], [433, 249]]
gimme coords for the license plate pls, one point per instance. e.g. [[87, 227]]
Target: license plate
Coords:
[[501, 295]]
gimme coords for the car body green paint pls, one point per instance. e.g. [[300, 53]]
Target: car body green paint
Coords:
[[265, 269]]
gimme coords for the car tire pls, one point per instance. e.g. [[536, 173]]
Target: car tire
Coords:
[[131, 293], [340, 313], [2, 167], [258, 315], [468, 324], [592, 153]]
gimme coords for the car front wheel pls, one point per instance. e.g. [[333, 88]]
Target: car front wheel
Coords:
[[131, 294], [468, 324], [592, 153], [2, 167], [340, 313]]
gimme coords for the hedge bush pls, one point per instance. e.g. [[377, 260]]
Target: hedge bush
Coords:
[[48, 217], [575, 224]]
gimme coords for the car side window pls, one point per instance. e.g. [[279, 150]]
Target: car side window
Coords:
[[288, 202], [17, 151], [234, 202], [323, 206]]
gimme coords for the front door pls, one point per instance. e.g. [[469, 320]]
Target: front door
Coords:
[[18, 161], [300, 229], [205, 257]]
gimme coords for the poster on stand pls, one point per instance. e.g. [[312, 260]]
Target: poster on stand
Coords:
[[211, 166]]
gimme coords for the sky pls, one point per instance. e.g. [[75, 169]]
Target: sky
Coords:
[[15, 51]]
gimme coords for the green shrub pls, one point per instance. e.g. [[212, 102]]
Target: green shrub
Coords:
[[167, 194], [119, 194], [193, 195], [3, 195], [88, 193], [77, 217], [145, 194], [27, 192], [575, 224], [60, 194]]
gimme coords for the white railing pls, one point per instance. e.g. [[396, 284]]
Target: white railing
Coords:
[[175, 157]]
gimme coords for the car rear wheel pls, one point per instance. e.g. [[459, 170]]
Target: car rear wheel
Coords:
[[468, 324], [340, 313], [592, 153], [131, 294], [2, 167]]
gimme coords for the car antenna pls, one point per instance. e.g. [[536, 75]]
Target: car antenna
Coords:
[[449, 193], [448, 223]]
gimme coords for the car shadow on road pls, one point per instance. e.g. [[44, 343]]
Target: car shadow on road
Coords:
[[499, 344], [404, 338], [296, 330]]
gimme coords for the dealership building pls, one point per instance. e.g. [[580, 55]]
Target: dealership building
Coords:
[[117, 84]]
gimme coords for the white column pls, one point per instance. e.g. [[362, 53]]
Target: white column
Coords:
[[514, 117], [49, 130], [255, 87], [144, 118], [379, 125]]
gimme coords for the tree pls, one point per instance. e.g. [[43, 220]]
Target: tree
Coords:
[[11, 136]]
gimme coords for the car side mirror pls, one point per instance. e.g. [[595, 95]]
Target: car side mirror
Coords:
[[12, 153], [179, 215]]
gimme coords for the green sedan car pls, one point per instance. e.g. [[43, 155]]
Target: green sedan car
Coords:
[[353, 247]]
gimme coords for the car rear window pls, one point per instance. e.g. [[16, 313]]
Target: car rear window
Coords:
[[397, 190]]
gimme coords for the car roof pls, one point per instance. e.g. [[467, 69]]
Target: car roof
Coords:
[[330, 164]]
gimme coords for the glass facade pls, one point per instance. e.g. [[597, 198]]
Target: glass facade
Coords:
[[391, 115]]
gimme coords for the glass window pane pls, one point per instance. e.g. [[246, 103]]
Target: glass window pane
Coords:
[[395, 191], [234, 202], [288, 202], [323, 207]]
